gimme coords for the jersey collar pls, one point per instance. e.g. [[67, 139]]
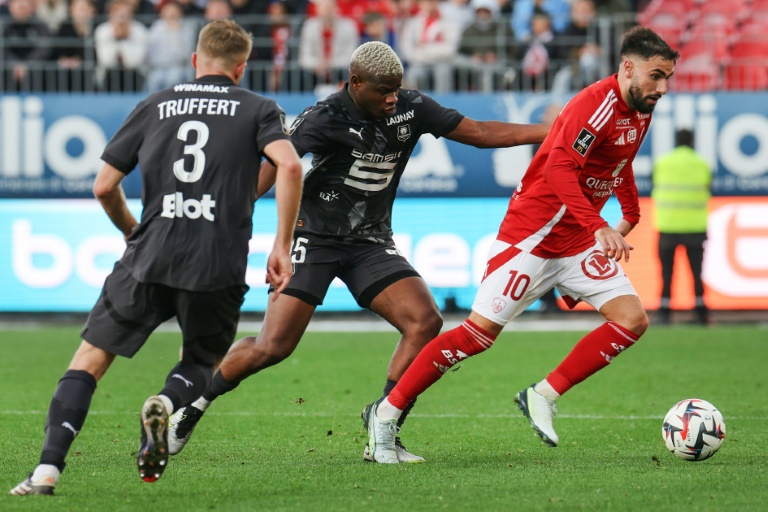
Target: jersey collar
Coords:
[[215, 79], [349, 104]]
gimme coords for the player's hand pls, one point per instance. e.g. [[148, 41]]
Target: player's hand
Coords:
[[279, 271], [614, 244]]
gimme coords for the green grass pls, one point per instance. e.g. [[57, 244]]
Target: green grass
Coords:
[[290, 438]]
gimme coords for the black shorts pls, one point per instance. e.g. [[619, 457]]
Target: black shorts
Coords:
[[128, 311], [366, 268]]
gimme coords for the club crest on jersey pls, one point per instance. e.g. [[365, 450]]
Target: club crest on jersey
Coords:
[[632, 135], [403, 132], [498, 305], [584, 141]]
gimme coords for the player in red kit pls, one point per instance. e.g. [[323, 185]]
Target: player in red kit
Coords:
[[553, 235]]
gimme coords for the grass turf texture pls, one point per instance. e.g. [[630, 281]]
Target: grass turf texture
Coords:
[[290, 438]]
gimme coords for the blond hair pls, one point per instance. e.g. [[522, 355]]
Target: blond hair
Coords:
[[375, 59], [225, 41]]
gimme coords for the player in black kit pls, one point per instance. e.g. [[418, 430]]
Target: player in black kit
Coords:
[[361, 139], [199, 146]]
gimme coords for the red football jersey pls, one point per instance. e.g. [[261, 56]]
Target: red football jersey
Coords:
[[586, 157]]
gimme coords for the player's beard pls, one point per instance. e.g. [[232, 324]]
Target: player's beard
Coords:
[[638, 100]]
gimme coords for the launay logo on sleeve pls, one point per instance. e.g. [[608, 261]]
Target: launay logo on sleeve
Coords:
[[583, 141]]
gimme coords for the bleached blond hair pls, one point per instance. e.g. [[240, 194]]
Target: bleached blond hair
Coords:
[[375, 59]]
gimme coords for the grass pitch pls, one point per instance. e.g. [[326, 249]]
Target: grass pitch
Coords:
[[290, 438]]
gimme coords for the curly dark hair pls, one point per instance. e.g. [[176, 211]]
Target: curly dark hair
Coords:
[[645, 43]]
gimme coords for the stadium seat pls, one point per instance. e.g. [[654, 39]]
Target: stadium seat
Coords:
[[746, 76], [731, 8], [668, 26], [712, 45], [698, 73], [747, 68]]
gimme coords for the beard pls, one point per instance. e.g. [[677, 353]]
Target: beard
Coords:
[[638, 102]]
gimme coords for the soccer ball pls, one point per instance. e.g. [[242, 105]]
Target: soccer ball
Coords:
[[693, 429]]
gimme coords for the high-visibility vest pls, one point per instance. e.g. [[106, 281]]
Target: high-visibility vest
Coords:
[[681, 191]]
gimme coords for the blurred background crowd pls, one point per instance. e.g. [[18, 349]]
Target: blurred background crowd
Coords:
[[445, 45]]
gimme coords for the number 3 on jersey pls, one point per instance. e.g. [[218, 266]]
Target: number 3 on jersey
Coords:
[[196, 150]]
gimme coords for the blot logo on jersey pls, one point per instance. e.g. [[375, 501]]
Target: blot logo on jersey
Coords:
[[597, 266], [175, 206], [498, 305], [403, 132], [359, 132], [584, 141]]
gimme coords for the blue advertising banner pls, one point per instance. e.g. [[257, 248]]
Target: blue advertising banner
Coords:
[[50, 145]]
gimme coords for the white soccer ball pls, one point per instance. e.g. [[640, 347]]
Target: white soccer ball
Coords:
[[693, 429]]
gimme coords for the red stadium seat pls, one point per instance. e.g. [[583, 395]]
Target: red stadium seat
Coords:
[[680, 9], [744, 76], [747, 68], [668, 26], [695, 73], [711, 45], [732, 8]]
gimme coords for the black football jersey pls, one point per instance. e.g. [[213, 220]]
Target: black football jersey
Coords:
[[357, 162], [199, 147]]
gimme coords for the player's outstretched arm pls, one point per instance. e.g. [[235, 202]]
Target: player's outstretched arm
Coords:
[[497, 134], [108, 190], [287, 196]]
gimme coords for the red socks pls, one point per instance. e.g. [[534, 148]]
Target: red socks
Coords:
[[436, 358], [592, 353]]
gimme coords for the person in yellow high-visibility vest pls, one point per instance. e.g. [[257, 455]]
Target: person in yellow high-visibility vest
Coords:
[[681, 191]]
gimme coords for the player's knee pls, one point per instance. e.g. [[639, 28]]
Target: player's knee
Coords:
[[271, 351], [636, 321], [428, 327]]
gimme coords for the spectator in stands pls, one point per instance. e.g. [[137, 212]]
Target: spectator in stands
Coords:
[[487, 48], [177, 38], [429, 44], [52, 13], [326, 44], [523, 10], [121, 48], [74, 48], [27, 40], [191, 9], [402, 11], [217, 10], [536, 65], [271, 49], [578, 49], [459, 12], [376, 27]]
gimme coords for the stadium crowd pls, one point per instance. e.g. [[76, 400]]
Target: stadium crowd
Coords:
[[446, 45]]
